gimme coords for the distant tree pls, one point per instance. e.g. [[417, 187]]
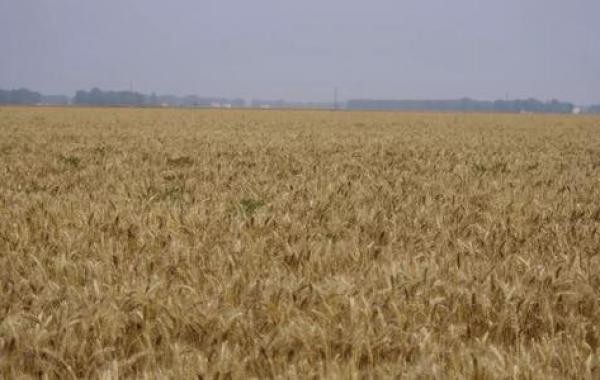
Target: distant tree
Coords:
[[152, 100], [463, 105], [20, 96], [593, 109], [97, 97]]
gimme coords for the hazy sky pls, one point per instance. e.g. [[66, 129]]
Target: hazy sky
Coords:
[[301, 50]]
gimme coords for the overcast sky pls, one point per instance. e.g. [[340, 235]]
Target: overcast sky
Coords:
[[301, 50]]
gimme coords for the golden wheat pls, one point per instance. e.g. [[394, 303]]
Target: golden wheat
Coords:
[[157, 243]]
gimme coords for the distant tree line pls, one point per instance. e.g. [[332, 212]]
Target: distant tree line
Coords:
[[593, 109], [56, 100], [21, 96], [464, 105], [97, 97]]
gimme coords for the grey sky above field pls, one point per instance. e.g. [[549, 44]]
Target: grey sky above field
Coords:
[[301, 50]]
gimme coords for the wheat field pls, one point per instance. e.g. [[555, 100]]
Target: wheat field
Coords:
[[200, 244]]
